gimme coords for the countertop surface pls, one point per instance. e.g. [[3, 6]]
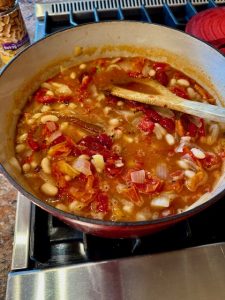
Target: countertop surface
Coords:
[[8, 194]]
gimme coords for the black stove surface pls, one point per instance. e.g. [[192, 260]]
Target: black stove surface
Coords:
[[52, 243]]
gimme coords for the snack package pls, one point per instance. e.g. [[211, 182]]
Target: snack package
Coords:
[[13, 34]]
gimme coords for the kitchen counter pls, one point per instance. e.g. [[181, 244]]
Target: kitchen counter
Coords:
[[8, 194]]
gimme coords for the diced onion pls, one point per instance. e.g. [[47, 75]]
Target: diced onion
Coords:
[[138, 176], [160, 202], [121, 187], [98, 162], [82, 165], [164, 112], [51, 126], [162, 171], [54, 136]]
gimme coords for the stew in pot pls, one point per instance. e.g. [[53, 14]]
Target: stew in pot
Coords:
[[95, 155]]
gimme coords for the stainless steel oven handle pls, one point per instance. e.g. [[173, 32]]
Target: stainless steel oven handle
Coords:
[[22, 234]]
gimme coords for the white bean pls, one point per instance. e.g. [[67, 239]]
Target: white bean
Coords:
[[49, 93], [152, 73], [22, 138], [82, 66], [128, 207], [183, 164], [183, 82], [106, 110], [67, 177], [170, 139], [72, 105], [33, 164], [120, 103], [118, 134], [26, 167], [114, 122], [159, 131], [198, 153], [49, 189], [20, 148], [100, 97], [64, 125], [30, 122], [72, 75], [214, 133], [45, 164], [62, 106], [128, 139], [47, 118], [189, 173], [141, 216], [46, 85], [191, 92], [45, 108], [36, 116], [117, 148], [173, 81]]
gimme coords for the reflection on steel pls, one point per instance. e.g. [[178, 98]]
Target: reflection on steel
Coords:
[[22, 234], [194, 273]]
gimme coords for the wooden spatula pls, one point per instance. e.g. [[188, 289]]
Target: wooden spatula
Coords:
[[170, 100]]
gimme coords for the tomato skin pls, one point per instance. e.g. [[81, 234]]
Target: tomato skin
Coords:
[[85, 81], [59, 140], [201, 130], [146, 125], [168, 124], [180, 92], [153, 115], [162, 77], [110, 168], [192, 129], [102, 204], [58, 176], [151, 185], [132, 195], [211, 161], [48, 128], [32, 143], [134, 74], [159, 66], [41, 97]]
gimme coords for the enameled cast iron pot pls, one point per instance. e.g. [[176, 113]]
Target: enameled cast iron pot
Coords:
[[184, 52]]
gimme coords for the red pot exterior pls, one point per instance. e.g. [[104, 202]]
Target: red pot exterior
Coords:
[[117, 231]]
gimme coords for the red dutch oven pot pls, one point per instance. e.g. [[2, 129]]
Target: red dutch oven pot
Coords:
[[21, 77]]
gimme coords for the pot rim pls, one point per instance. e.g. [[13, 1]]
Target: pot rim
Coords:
[[66, 215]]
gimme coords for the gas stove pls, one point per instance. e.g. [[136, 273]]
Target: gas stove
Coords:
[[54, 261]]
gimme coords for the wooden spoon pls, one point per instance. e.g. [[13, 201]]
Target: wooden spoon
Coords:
[[170, 100]]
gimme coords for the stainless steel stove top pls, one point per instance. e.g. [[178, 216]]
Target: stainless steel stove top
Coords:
[[52, 261], [195, 273]]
